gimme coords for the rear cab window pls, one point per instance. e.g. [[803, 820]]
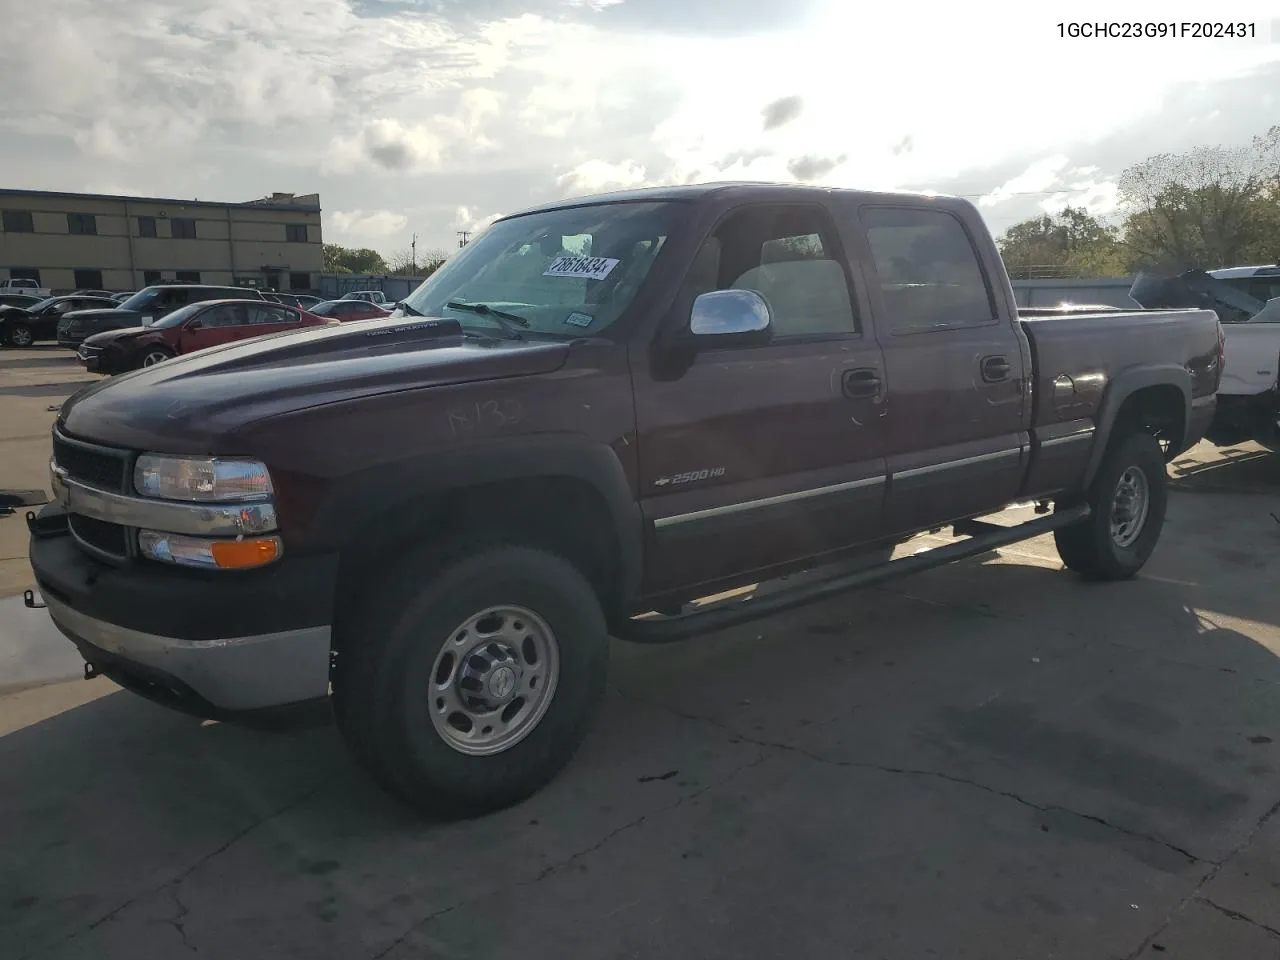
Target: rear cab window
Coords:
[[927, 271]]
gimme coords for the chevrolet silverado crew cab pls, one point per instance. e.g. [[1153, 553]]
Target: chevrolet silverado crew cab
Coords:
[[596, 413]]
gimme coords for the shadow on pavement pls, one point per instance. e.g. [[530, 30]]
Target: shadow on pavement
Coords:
[[893, 772], [1239, 471]]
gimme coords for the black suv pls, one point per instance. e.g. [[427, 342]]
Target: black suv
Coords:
[[144, 308], [22, 326]]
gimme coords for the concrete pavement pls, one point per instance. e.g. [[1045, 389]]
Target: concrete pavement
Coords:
[[991, 760]]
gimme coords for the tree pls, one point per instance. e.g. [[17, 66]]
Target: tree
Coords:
[[339, 259], [1069, 243], [405, 263], [1209, 207]]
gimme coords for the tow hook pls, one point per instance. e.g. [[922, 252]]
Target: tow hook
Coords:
[[29, 598]]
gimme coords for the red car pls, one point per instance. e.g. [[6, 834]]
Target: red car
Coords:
[[190, 328], [346, 310]]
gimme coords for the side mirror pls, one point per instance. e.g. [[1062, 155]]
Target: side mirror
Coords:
[[192, 324], [731, 315]]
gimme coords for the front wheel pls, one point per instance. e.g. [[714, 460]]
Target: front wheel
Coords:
[[19, 335], [1128, 496], [153, 355], [473, 682]]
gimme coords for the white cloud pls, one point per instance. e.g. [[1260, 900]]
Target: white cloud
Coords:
[[595, 176], [365, 228], [385, 145]]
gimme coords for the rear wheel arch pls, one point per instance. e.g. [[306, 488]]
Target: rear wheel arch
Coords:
[[1155, 400]]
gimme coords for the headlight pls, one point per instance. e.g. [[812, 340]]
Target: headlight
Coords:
[[201, 478], [240, 554]]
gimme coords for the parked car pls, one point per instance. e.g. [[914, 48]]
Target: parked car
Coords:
[[122, 297], [102, 294], [196, 326], [346, 310], [21, 285], [372, 296], [19, 300], [303, 300], [441, 516], [1247, 301], [144, 308], [21, 327]]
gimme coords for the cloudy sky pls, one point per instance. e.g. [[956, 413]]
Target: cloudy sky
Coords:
[[431, 116]]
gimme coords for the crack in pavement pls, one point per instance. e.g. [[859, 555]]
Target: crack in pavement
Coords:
[[1236, 915], [1215, 869], [172, 883], [938, 775], [178, 922], [559, 865]]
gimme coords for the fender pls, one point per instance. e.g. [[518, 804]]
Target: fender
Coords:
[[354, 503], [1124, 385]]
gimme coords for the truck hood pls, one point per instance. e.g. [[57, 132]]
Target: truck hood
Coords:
[[184, 405], [117, 317]]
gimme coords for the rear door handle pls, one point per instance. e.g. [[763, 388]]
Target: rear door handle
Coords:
[[861, 384], [995, 369]]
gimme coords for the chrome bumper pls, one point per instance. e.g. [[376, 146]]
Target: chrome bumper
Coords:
[[235, 674]]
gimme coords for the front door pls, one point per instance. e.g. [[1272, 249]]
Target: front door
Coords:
[[760, 455], [958, 409], [218, 324]]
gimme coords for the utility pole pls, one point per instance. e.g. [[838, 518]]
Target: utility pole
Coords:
[[413, 256], [464, 237]]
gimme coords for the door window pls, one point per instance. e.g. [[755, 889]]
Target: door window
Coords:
[[929, 273], [224, 315], [264, 315], [787, 254]]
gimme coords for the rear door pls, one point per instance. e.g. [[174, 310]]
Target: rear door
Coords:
[[958, 407], [267, 318], [219, 324], [758, 455]]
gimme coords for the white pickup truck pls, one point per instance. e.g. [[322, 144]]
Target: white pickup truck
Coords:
[[22, 285], [1247, 301]]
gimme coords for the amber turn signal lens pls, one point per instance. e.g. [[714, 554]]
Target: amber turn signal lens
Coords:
[[241, 554]]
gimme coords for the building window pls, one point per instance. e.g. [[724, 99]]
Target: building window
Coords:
[[25, 273], [299, 281], [88, 279], [188, 276], [183, 229], [18, 221], [82, 224], [146, 226], [295, 232], [150, 278]]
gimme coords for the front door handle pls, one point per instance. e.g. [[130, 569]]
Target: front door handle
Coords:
[[995, 369], [861, 384]]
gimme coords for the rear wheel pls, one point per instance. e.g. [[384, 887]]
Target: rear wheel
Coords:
[[1128, 496], [153, 355], [19, 335], [472, 681]]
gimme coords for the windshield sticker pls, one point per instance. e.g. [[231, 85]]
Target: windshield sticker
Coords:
[[579, 319], [593, 268]]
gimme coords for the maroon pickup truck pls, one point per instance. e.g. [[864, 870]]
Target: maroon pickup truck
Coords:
[[596, 413]]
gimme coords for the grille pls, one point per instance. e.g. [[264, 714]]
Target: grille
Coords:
[[110, 538], [94, 467]]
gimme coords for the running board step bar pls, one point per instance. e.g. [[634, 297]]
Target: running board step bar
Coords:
[[982, 538]]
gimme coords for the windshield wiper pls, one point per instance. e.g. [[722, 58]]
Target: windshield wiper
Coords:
[[508, 320]]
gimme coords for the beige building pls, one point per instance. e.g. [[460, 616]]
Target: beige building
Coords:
[[83, 241]]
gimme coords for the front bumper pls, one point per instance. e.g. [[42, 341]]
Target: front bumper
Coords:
[[93, 359], [216, 644]]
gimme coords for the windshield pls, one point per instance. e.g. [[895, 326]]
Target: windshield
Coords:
[[322, 309], [568, 272], [42, 304], [140, 300], [177, 318]]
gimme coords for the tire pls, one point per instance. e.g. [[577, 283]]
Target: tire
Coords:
[[153, 355], [1096, 548], [388, 662], [19, 335]]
